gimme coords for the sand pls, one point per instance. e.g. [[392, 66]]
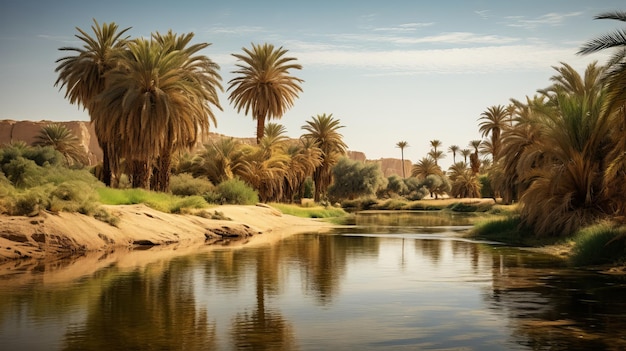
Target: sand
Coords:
[[142, 235]]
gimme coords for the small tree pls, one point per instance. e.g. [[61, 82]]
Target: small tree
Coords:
[[354, 179]]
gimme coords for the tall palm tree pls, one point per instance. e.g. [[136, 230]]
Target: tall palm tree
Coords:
[[493, 121], [157, 101], [474, 160], [454, 149], [465, 153], [436, 155], [324, 131], [435, 144], [264, 86], [401, 145], [83, 76], [64, 141]]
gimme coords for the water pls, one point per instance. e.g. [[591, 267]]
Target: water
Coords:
[[395, 282]]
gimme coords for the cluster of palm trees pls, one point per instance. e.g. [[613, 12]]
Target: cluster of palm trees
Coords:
[[278, 167], [562, 152], [151, 98]]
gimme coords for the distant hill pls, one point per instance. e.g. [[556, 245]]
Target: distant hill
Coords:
[[12, 130]]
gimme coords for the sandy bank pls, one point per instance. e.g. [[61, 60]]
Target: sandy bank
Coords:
[[50, 236]]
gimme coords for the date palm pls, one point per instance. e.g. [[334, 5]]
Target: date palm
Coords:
[[614, 79], [324, 131], [562, 140], [83, 75], [454, 149], [617, 63], [402, 145], [264, 85], [62, 140], [157, 101], [425, 167], [492, 122], [465, 153]]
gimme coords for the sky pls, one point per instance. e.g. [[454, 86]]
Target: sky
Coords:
[[390, 71]]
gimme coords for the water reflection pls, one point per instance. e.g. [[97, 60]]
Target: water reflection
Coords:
[[407, 287]]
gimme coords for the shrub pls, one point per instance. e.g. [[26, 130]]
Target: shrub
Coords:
[[185, 184], [73, 196], [188, 202], [360, 204], [392, 204], [599, 244], [234, 191]]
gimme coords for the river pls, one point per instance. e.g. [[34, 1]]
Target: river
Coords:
[[400, 281]]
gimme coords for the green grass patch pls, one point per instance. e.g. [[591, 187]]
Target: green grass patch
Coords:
[[158, 201], [502, 229], [309, 212], [602, 243]]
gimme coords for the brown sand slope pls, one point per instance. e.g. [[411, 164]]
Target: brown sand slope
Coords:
[[53, 235]]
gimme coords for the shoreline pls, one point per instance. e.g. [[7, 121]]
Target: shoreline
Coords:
[[141, 236]]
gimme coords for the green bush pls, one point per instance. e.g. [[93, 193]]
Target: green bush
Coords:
[[185, 184], [599, 244], [235, 192], [360, 204], [392, 204], [74, 196]]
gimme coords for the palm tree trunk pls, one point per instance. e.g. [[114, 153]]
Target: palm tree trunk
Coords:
[[140, 173], [260, 129]]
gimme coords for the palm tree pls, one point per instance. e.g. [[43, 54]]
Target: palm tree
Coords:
[[616, 65], [323, 130], [454, 149], [219, 160], [157, 101], [435, 144], [83, 76], [436, 155], [493, 121], [557, 151], [425, 167], [465, 153], [401, 145], [474, 160], [62, 140], [264, 86]]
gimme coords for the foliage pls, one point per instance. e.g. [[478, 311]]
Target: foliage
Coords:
[[185, 184], [64, 141], [147, 98], [354, 179], [360, 204], [508, 230], [309, 212], [323, 131], [486, 190], [602, 243], [159, 201], [236, 192], [263, 84]]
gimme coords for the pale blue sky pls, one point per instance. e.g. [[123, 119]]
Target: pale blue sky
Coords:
[[389, 70]]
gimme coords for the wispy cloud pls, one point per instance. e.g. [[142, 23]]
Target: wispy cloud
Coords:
[[406, 27], [550, 19], [443, 38], [484, 14], [235, 30], [446, 61]]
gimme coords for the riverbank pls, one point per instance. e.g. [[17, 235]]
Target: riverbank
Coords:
[[50, 236]]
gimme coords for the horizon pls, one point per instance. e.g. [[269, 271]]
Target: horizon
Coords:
[[411, 72]]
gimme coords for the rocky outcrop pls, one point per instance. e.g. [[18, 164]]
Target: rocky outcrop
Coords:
[[27, 131]]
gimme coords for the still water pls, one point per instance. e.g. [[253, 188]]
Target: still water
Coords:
[[393, 282]]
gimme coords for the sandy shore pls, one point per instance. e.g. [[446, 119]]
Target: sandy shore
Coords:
[[142, 235]]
